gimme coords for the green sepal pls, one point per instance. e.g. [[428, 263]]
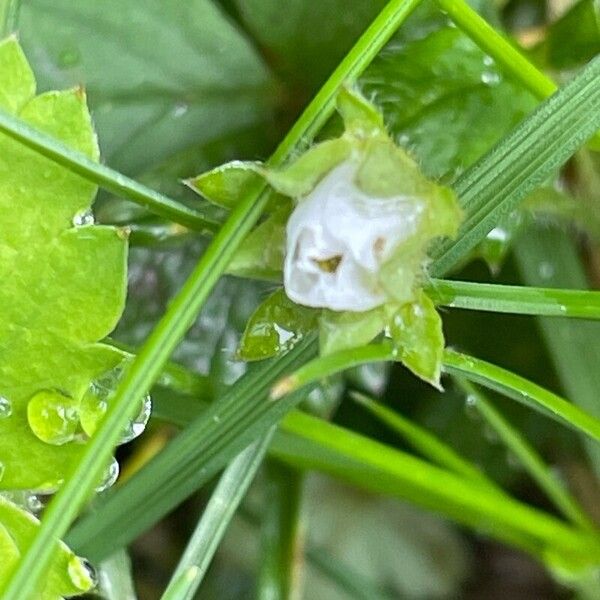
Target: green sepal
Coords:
[[361, 118], [343, 330], [261, 254], [301, 176], [416, 329], [67, 576], [227, 184], [275, 326]]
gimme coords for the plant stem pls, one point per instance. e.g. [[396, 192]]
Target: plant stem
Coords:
[[185, 307], [209, 532], [515, 299]]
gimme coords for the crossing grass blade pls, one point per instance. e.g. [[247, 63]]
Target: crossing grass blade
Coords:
[[209, 532]]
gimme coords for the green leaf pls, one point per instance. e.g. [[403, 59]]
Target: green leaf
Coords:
[[306, 40], [162, 76], [63, 283], [444, 100], [341, 330], [275, 326], [574, 39], [524, 159], [67, 575]]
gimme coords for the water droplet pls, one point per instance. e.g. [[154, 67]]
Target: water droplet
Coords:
[[69, 58], [471, 407], [5, 407], [81, 573], [138, 425], [404, 139], [83, 218], [96, 400], [490, 78], [110, 476], [488, 61], [52, 417], [179, 110], [546, 270]]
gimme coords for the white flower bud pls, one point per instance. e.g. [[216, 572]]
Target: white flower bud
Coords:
[[338, 237]]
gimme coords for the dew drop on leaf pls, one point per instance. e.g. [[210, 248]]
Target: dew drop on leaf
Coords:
[[5, 407], [110, 476], [83, 218], [53, 417], [471, 407], [82, 573], [490, 78]]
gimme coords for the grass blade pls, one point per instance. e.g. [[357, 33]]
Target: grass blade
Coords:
[[424, 442], [281, 543], [9, 16], [515, 299], [523, 160], [185, 307], [527, 456], [498, 47], [522, 390], [209, 532], [311, 443], [192, 458], [104, 176], [491, 376]]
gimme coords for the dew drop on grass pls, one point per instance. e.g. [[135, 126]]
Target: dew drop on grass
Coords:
[[53, 417], [471, 407], [179, 110], [5, 407], [138, 425], [83, 218], [97, 399], [110, 476]]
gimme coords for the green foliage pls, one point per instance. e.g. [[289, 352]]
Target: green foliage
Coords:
[[64, 285], [162, 77], [67, 575], [444, 99], [574, 38]]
